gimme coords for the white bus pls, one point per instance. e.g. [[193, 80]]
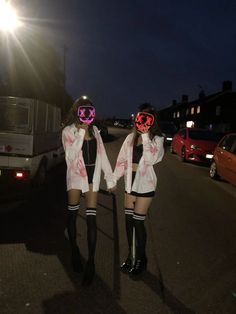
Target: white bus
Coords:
[[30, 139]]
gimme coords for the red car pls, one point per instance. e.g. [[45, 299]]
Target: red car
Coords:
[[195, 144], [224, 160]]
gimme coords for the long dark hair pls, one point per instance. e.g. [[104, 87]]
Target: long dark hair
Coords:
[[155, 129], [72, 116]]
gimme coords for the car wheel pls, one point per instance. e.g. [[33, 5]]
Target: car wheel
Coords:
[[183, 155], [213, 171], [172, 149]]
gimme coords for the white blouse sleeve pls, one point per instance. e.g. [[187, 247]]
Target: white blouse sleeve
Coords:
[[153, 150], [121, 162], [106, 166], [72, 142]]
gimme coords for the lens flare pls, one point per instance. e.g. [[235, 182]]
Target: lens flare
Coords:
[[9, 20]]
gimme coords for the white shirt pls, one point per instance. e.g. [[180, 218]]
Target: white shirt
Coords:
[[145, 179], [76, 177]]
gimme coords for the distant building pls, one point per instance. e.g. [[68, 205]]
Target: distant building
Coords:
[[216, 111]]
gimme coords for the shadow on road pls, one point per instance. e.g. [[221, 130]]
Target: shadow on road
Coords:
[[157, 285], [39, 223], [94, 299]]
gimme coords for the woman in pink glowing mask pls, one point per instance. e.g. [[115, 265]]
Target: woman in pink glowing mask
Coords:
[[141, 150], [85, 158]]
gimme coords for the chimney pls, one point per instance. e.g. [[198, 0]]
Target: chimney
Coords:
[[174, 102], [184, 98], [227, 86]]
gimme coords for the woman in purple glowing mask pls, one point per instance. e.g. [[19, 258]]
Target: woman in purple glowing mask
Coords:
[[141, 150], [85, 158]]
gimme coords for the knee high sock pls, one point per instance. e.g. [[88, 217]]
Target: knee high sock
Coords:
[[129, 223], [71, 225], [140, 234], [91, 233]]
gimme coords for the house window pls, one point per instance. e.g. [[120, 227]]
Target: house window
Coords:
[[198, 109], [218, 110], [187, 111], [174, 115], [192, 110], [178, 114]]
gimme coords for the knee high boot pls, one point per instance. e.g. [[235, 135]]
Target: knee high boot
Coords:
[[141, 236], [92, 241], [72, 234], [129, 224]]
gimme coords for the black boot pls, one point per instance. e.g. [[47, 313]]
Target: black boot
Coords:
[[141, 236], [139, 267], [89, 273], [76, 261], [126, 266]]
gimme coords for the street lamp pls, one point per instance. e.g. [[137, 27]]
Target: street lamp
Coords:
[[9, 20]]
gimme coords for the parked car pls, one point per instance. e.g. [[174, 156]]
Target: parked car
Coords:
[[168, 130], [195, 144], [223, 163], [123, 123]]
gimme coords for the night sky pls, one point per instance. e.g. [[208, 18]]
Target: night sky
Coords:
[[122, 53]]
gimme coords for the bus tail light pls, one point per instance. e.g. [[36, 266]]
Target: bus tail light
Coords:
[[21, 174]]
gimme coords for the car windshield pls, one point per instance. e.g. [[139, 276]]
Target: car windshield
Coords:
[[14, 118], [204, 135]]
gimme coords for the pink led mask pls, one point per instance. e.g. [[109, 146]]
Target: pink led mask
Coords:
[[144, 121], [86, 114]]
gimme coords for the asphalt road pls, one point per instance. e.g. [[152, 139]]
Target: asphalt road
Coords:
[[195, 222], [191, 248]]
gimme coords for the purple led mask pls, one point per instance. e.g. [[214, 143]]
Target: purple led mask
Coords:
[[86, 114]]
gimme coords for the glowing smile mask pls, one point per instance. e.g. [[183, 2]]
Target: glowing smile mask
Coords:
[[86, 114], [144, 121]]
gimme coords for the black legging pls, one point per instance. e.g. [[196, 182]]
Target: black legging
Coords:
[[129, 224], [71, 227], [91, 233], [140, 235], [72, 233]]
